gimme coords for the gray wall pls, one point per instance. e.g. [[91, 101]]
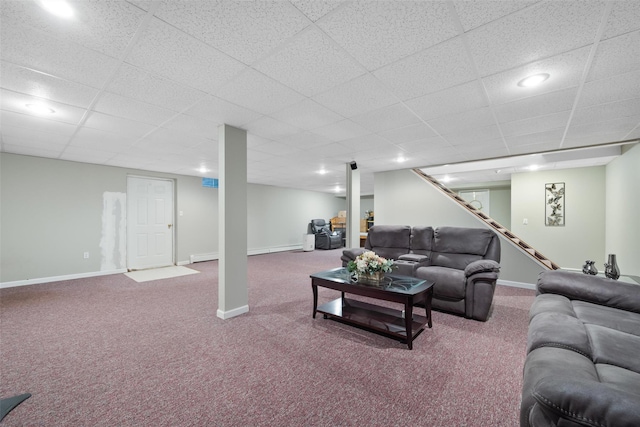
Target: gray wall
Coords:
[[582, 236], [622, 207], [402, 197], [499, 197], [51, 212]]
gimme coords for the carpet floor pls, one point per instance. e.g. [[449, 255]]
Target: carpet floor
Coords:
[[108, 351]]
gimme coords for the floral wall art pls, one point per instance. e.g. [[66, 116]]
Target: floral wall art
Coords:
[[554, 208]]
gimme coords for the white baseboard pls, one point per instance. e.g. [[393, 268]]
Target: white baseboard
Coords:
[[60, 278], [204, 257], [531, 286], [224, 315]]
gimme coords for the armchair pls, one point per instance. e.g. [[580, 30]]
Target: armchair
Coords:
[[325, 238]]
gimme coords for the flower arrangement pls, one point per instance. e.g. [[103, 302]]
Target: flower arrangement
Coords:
[[369, 263]]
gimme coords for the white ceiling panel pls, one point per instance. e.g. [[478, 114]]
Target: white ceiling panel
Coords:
[[535, 106], [616, 56], [621, 86], [128, 108], [311, 70], [564, 71], [103, 26], [377, 33], [440, 67], [30, 82], [473, 14], [167, 51], [245, 30], [147, 84], [539, 33], [117, 125], [19, 102], [464, 97], [65, 59], [316, 9], [624, 17], [257, 92], [307, 115], [356, 97]]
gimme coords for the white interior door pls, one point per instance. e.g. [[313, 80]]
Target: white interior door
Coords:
[[149, 223]]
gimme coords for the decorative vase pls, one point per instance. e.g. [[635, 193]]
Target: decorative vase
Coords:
[[611, 269], [374, 278], [589, 268]]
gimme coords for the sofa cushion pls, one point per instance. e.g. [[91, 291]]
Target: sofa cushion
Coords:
[[449, 283], [389, 241], [422, 240], [624, 321], [615, 348], [451, 260], [544, 332], [461, 240], [551, 303]]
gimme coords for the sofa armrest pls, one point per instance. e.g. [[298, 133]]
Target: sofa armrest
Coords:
[[417, 258], [587, 402], [594, 289], [352, 253], [482, 266]]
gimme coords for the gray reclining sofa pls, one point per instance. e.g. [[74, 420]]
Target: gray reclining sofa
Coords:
[[583, 353], [462, 262]]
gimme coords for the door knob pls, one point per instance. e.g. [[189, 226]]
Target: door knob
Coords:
[[169, 225]]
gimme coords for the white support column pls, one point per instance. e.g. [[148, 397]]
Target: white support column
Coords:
[[233, 295], [353, 206]]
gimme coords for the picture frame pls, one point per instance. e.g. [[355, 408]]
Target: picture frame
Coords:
[[554, 194]]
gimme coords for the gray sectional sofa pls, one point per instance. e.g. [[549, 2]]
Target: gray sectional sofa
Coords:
[[462, 262], [583, 353]]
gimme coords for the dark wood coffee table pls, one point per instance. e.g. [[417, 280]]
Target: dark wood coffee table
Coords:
[[398, 324]]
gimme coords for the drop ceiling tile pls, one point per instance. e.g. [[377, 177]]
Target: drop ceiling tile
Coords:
[[27, 81], [473, 135], [367, 142], [244, 30], [539, 32], [473, 14], [386, 118], [257, 92], [634, 133], [553, 136], [307, 141], [136, 83], [536, 124], [18, 147], [310, 63], [17, 102], [476, 147], [96, 139], [314, 9], [219, 111], [117, 125], [457, 99], [33, 137], [120, 106], [34, 49], [86, 155], [270, 128], [616, 56], [533, 148], [624, 17], [103, 26], [423, 144], [409, 133], [378, 33], [307, 115], [30, 122], [341, 130], [534, 106], [600, 132], [468, 119], [606, 112], [276, 149], [565, 71], [170, 138], [356, 97], [167, 51], [437, 68], [190, 125]]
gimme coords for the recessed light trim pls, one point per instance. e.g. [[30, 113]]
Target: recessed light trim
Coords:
[[533, 80], [59, 8], [40, 109]]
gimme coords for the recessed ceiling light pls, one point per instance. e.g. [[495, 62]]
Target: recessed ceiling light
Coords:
[[337, 189], [40, 109], [203, 170], [446, 178], [533, 167], [322, 171], [60, 8], [534, 80], [401, 159]]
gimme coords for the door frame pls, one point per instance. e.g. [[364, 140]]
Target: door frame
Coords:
[[173, 211]]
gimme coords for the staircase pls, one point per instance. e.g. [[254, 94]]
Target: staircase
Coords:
[[523, 246]]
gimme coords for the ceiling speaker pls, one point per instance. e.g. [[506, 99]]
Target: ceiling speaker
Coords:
[[354, 166]]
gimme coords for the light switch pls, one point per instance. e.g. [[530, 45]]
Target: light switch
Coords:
[[525, 221], [180, 213]]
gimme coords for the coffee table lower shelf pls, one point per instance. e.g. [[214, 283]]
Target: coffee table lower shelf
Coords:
[[383, 320]]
